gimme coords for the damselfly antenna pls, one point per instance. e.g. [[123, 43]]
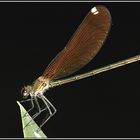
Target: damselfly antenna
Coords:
[[80, 50]]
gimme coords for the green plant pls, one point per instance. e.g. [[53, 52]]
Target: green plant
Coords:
[[30, 130]]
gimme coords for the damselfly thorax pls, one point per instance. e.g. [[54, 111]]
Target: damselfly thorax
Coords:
[[40, 85]]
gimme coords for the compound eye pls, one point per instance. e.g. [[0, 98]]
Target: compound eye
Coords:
[[23, 92]]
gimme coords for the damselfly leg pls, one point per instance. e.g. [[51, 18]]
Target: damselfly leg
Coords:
[[48, 105], [33, 98], [34, 103]]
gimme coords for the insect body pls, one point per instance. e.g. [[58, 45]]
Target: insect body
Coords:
[[79, 51]]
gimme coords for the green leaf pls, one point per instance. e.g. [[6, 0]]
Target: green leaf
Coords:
[[31, 130]]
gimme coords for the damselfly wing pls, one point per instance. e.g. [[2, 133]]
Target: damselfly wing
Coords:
[[83, 46]]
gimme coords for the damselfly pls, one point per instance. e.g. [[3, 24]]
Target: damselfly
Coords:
[[80, 50]]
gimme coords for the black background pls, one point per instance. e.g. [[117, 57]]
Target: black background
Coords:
[[107, 105]]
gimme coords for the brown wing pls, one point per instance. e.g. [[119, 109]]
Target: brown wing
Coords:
[[83, 46]]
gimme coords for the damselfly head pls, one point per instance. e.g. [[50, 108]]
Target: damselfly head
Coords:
[[26, 91]]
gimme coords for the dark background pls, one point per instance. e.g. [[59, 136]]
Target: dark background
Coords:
[[107, 105]]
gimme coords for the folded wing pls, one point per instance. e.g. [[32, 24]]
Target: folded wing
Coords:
[[83, 46]]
